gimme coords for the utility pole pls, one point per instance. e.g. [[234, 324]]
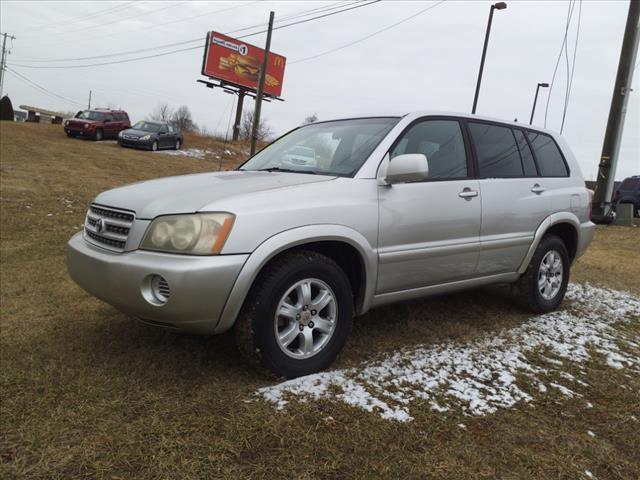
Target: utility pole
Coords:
[[3, 59], [89, 105], [495, 6], [263, 75], [601, 204]]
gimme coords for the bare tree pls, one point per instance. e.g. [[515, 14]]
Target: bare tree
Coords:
[[313, 118], [162, 112], [246, 127], [182, 119]]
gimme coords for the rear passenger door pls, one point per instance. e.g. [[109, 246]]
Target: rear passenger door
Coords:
[[514, 202], [429, 231]]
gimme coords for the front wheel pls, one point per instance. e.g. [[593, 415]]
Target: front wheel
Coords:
[[177, 145], [297, 316], [99, 135], [543, 285], [154, 146]]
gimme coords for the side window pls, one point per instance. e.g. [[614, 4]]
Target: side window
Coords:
[[525, 152], [441, 141], [497, 152], [548, 155]]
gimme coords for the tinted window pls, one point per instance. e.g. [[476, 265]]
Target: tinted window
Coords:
[[496, 149], [441, 141], [526, 155], [548, 155], [630, 184]]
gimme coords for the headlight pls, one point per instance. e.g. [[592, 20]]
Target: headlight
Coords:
[[194, 234], [146, 137], [120, 134]]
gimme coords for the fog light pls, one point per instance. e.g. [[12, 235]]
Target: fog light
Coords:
[[156, 290]]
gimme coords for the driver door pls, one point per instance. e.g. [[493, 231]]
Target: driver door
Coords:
[[429, 232]]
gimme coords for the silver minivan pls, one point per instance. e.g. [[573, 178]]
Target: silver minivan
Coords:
[[393, 208]]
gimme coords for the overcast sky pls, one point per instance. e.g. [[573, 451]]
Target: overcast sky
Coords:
[[429, 62]]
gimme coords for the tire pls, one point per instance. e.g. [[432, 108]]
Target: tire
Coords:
[[177, 145], [532, 293], [154, 146], [99, 135], [258, 328], [71, 135]]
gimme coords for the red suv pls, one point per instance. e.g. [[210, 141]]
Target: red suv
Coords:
[[98, 123]]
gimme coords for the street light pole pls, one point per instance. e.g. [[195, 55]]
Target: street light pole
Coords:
[[495, 6], [535, 100]]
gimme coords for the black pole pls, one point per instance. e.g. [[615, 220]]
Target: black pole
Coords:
[[535, 100], [236, 125], [260, 93], [602, 197], [495, 6], [484, 54]]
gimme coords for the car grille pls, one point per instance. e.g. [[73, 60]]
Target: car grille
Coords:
[[130, 137], [108, 227]]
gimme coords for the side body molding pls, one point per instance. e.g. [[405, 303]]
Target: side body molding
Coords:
[[286, 240], [551, 220]]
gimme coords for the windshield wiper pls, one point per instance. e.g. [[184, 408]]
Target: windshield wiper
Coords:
[[287, 170]]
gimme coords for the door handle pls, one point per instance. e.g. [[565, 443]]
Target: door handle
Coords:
[[468, 193], [537, 189]]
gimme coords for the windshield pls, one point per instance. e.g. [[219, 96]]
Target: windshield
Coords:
[[328, 148], [148, 126], [90, 115]]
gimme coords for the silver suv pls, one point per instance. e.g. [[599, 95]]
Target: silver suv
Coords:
[[393, 208]]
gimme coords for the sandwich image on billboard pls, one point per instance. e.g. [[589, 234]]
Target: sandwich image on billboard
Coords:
[[238, 63]]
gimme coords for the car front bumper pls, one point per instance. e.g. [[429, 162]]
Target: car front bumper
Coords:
[[81, 132], [199, 285], [144, 144]]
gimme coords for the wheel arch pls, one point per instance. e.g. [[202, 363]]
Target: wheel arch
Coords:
[[563, 224], [345, 246]]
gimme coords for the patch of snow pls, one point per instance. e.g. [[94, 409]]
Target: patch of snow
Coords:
[[590, 433], [49, 214], [462, 425], [478, 377], [588, 473], [186, 152], [589, 405]]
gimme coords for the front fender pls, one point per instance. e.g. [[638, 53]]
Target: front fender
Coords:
[[289, 239]]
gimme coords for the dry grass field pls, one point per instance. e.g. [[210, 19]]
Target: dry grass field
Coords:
[[88, 393]]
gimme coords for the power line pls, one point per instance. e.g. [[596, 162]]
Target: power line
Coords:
[[106, 11], [130, 17], [173, 44], [360, 5], [362, 39], [41, 88], [573, 67], [562, 47]]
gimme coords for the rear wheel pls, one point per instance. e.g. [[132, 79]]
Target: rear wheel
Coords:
[[297, 317], [177, 145], [544, 284], [99, 135]]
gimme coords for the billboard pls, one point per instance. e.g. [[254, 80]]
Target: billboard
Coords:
[[238, 63]]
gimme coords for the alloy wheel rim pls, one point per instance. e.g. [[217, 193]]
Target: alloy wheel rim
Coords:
[[305, 318], [550, 275]]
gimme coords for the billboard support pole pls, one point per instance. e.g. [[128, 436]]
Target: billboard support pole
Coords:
[[263, 75], [236, 125]]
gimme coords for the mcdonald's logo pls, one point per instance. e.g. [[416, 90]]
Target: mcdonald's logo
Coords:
[[278, 61]]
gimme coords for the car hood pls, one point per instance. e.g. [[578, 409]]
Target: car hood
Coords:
[[137, 133], [191, 193]]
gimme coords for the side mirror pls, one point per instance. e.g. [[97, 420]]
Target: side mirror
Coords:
[[407, 168]]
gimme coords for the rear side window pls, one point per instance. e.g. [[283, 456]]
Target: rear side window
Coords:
[[496, 150], [548, 155], [528, 163], [442, 143]]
